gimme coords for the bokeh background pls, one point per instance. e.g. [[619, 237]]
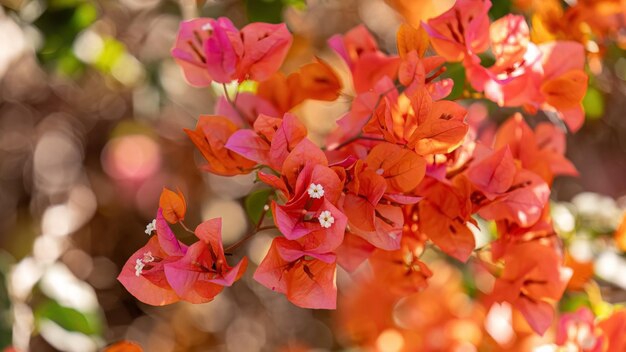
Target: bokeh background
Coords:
[[92, 111]]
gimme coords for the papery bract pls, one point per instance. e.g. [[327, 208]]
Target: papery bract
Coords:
[[411, 39], [214, 50], [460, 31], [401, 168], [532, 285], [540, 151], [143, 274], [203, 44], [522, 203], [379, 224], [614, 330], [509, 37], [367, 64], [443, 217], [578, 330], [265, 46], [299, 215], [203, 271], [494, 174], [400, 270], [270, 142], [354, 250], [210, 137], [427, 126], [307, 282], [315, 81], [173, 205]]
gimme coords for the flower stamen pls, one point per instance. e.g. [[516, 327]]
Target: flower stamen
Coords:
[[150, 227], [139, 267]]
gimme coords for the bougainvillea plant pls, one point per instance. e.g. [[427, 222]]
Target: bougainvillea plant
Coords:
[[404, 169]]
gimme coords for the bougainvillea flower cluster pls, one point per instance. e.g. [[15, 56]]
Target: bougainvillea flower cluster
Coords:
[[402, 172]]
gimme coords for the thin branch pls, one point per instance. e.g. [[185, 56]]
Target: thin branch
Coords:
[[356, 138], [238, 244], [185, 227], [234, 105], [359, 136]]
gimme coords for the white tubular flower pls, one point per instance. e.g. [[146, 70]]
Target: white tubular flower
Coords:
[[139, 267], [326, 219], [147, 257], [150, 227], [315, 191]]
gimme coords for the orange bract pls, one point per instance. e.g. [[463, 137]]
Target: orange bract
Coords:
[[620, 235], [427, 126], [495, 173], [582, 272], [534, 284], [173, 205], [123, 346], [401, 168], [443, 215], [316, 80], [210, 136], [410, 39], [400, 270], [567, 90]]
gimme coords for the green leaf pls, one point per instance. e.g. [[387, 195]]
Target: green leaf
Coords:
[[500, 9], [112, 51], [270, 11], [593, 102], [456, 72], [255, 202], [6, 326], [571, 301], [84, 16], [297, 4], [70, 319]]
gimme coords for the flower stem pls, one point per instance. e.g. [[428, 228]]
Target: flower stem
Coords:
[[238, 244], [234, 105], [258, 228], [185, 227]]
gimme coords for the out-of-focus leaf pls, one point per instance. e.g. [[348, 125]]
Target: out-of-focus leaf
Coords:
[[70, 319], [270, 11], [69, 65], [112, 51], [456, 72], [298, 4], [499, 9], [5, 303], [84, 15], [60, 25], [572, 301], [58, 4], [248, 87], [255, 202], [593, 102]]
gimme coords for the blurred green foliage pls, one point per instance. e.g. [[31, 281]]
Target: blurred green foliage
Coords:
[[456, 72], [500, 8], [255, 202], [70, 319], [62, 21], [572, 301], [5, 303], [593, 103], [270, 10]]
